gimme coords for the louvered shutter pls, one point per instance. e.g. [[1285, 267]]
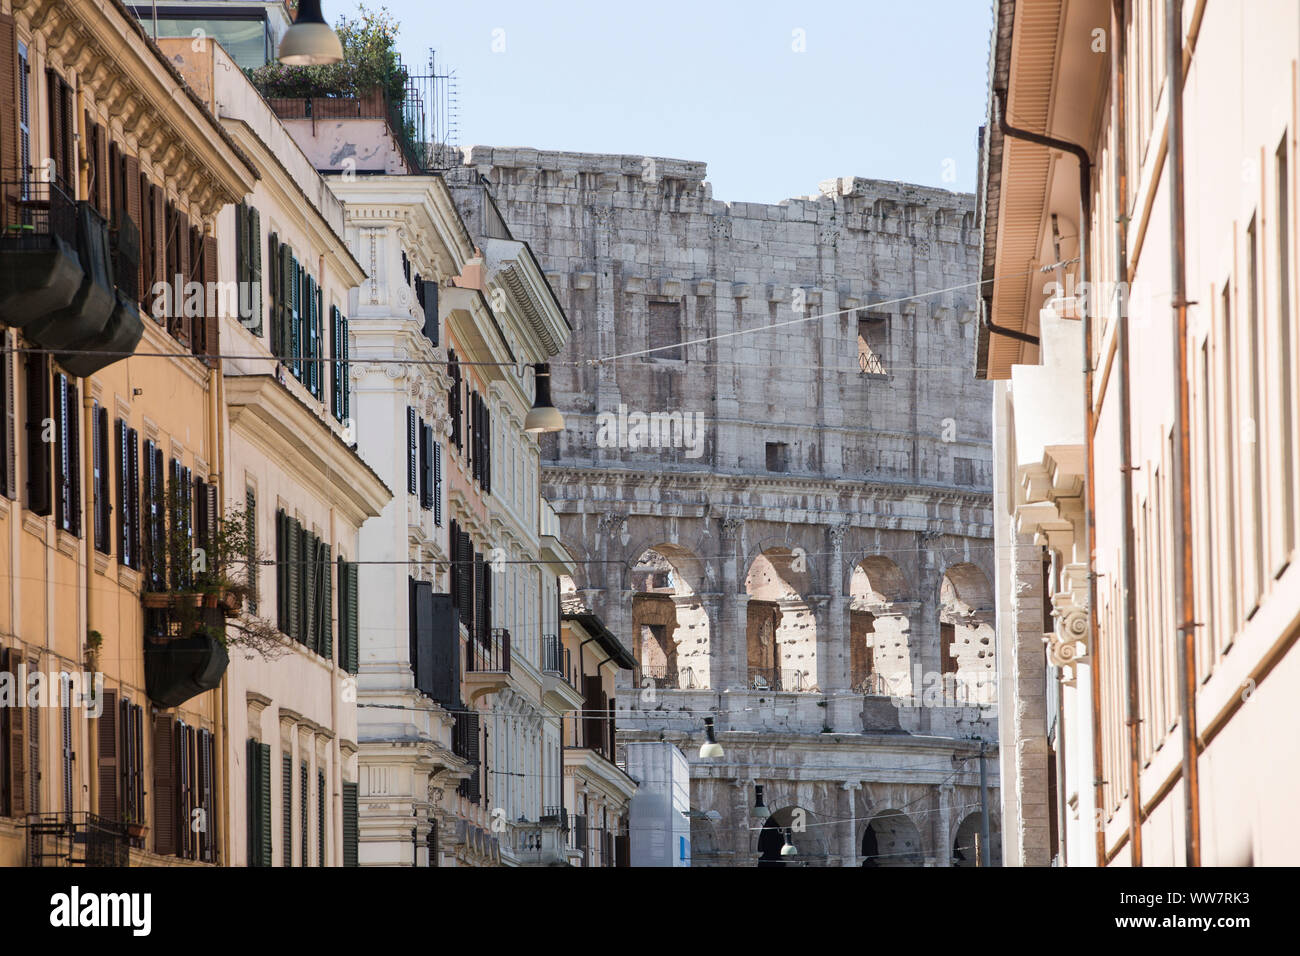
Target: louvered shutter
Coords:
[[350, 821], [346, 342], [320, 818], [38, 450], [99, 433], [466, 582], [242, 252], [11, 724], [593, 720], [412, 469], [253, 574], [302, 814], [286, 809], [65, 748], [325, 629], [259, 803], [166, 808], [295, 557], [211, 319], [426, 471], [336, 366], [437, 484], [9, 444], [309, 592], [354, 640], [10, 155], [183, 739], [282, 571], [133, 496], [100, 165], [277, 296], [106, 735], [132, 726], [208, 832], [472, 754], [133, 207], [158, 233], [289, 306], [55, 125], [254, 322], [293, 278]]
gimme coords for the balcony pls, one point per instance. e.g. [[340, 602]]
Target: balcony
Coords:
[[487, 664], [76, 839], [184, 646], [57, 276], [543, 842], [558, 691]]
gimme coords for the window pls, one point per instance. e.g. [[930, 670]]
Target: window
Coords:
[[119, 735], [453, 399], [128, 496], [412, 452], [248, 266], [350, 827], [99, 476], [304, 580], [38, 448], [8, 419], [778, 456], [67, 456], [873, 342], [258, 805], [947, 662], [347, 626], [1229, 504], [62, 125], [302, 814], [341, 395], [426, 465], [320, 818], [286, 809], [963, 471], [1256, 407], [665, 330]]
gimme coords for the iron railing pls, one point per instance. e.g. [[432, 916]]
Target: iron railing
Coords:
[[32, 211], [556, 658], [76, 839], [660, 674], [492, 656]]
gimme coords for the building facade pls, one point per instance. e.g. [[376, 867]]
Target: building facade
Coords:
[[789, 527], [1145, 667]]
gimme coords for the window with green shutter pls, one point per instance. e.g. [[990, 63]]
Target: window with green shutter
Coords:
[[320, 818], [350, 824], [259, 803], [286, 809], [349, 649], [302, 813]]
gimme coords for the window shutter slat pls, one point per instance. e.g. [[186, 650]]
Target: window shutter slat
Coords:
[[166, 808], [354, 646], [106, 735], [255, 270], [38, 450], [412, 486], [286, 810], [350, 821], [326, 628]]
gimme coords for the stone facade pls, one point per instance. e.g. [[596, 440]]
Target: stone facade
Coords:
[[828, 477]]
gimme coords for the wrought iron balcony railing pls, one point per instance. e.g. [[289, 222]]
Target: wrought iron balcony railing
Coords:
[[492, 656], [76, 839]]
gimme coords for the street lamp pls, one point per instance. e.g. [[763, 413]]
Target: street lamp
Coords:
[[788, 849], [759, 812], [710, 748], [544, 416], [310, 41]]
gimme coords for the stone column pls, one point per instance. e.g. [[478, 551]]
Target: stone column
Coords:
[[849, 837], [943, 849], [727, 648], [607, 391]]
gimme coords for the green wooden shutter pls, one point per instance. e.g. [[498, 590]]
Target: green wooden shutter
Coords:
[[286, 809], [326, 600], [347, 368], [255, 269], [282, 571], [350, 834], [354, 645], [310, 607], [320, 818], [293, 532], [277, 295], [259, 803], [302, 816]]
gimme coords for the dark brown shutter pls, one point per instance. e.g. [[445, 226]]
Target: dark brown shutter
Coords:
[[110, 804], [10, 152], [158, 239], [38, 450], [211, 321], [55, 124], [593, 721], [132, 207], [68, 136], [10, 661], [165, 803]]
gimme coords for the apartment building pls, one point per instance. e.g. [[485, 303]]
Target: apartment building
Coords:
[[295, 477], [1139, 206], [114, 175]]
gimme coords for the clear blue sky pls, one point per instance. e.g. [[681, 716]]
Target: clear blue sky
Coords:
[[888, 89]]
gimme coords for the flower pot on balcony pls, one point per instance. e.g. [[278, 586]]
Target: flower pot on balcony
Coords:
[[137, 831]]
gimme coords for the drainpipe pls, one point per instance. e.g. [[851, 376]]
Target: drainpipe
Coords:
[[1085, 230], [1128, 563], [216, 475], [1184, 590]]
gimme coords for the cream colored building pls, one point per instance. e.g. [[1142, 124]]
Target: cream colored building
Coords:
[[1105, 758]]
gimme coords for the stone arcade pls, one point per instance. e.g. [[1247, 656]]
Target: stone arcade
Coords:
[[831, 544]]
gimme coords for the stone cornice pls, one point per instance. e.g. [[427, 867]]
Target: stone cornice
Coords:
[[271, 417]]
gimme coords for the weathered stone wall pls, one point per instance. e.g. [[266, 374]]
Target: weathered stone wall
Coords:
[[848, 435]]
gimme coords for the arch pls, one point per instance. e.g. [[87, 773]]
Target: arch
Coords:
[[804, 829], [879, 643], [966, 650], [670, 627], [780, 626], [891, 839], [965, 842]]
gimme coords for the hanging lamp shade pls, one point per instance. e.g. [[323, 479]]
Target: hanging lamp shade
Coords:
[[788, 849], [710, 748], [310, 41], [760, 812], [543, 417]]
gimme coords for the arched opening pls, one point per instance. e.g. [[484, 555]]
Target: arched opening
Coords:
[[891, 839], [806, 832], [770, 842], [966, 844], [879, 639], [780, 627], [670, 627], [966, 651]]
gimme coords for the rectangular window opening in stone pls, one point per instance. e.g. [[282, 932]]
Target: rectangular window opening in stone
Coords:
[[947, 660], [873, 342], [778, 456], [963, 471], [665, 329]]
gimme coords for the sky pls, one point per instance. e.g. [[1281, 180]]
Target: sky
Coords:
[[774, 96]]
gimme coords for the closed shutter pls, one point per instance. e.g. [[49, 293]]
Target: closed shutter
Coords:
[[309, 591], [128, 491], [259, 803], [465, 561], [293, 293], [353, 633], [158, 234], [303, 859], [320, 818], [276, 283], [99, 167], [62, 479], [38, 449], [430, 303], [165, 806], [444, 652], [53, 86], [254, 320], [185, 789], [33, 738], [336, 366], [65, 750], [131, 760], [254, 568], [425, 465], [106, 736], [592, 719], [11, 160], [242, 252], [282, 571], [487, 447], [294, 598], [9, 419], [70, 440], [346, 343], [134, 209], [350, 827], [325, 628], [100, 470], [437, 484], [208, 819], [420, 638], [288, 306], [412, 466], [211, 345], [469, 730], [286, 809], [11, 723]]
